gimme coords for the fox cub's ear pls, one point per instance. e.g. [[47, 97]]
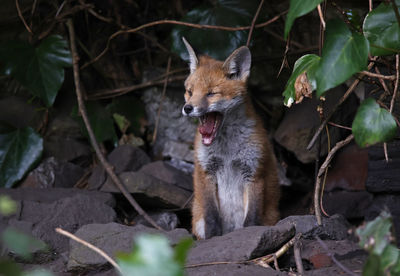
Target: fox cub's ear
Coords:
[[237, 65], [192, 56]]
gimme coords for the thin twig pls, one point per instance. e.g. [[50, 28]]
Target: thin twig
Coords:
[[321, 171], [339, 126], [321, 17], [259, 261], [396, 85], [161, 101], [325, 174], [297, 257], [22, 17], [370, 5], [332, 256], [90, 246], [327, 118], [254, 22], [382, 81], [379, 76], [82, 110], [175, 22]]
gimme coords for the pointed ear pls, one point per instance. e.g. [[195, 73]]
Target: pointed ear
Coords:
[[237, 65], [192, 56]]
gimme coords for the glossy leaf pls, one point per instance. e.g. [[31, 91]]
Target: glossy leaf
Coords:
[[151, 256], [21, 244], [19, 150], [389, 258], [181, 250], [216, 43], [382, 30], [40, 69], [373, 124], [298, 8], [101, 121], [304, 64], [372, 266], [344, 53]]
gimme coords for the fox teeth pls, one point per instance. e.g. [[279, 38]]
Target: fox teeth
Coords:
[[201, 120]]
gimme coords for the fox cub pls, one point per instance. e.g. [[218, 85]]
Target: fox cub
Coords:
[[235, 176]]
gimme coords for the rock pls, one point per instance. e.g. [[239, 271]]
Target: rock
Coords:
[[313, 252], [333, 228], [20, 112], [353, 205], [302, 120], [51, 195], [70, 214], [166, 220], [181, 165], [111, 238], [128, 158], [169, 174], [123, 158], [173, 127], [243, 244], [178, 150], [156, 192], [232, 270], [53, 173], [353, 263], [348, 170]]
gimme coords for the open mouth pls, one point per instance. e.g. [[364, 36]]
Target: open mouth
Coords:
[[209, 124]]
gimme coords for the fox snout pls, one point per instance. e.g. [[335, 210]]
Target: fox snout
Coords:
[[193, 110]]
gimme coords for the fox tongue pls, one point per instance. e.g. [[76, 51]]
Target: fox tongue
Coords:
[[207, 127]]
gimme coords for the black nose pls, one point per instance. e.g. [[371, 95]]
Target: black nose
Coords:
[[188, 108]]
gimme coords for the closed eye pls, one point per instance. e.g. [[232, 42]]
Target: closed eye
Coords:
[[190, 93], [210, 94]]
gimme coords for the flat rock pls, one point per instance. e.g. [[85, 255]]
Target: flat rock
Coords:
[[332, 228], [169, 174], [111, 238], [123, 158], [243, 244], [232, 270], [157, 192], [54, 194], [70, 214]]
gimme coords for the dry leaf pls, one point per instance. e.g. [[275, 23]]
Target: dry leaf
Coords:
[[302, 87]]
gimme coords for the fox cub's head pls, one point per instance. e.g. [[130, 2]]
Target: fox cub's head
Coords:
[[215, 88]]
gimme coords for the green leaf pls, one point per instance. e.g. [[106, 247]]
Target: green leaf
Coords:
[[151, 256], [389, 257], [373, 124], [376, 235], [382, 30], [39, 69], [19, 150], [372, 266], [20, 243], [216, 43], [297, 9], [38, 272], [306, 63], [344, 53], [7, 205], [9, 268], [101, 121], [181, 250]]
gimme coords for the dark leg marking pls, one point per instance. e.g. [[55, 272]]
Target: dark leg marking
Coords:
[[213, 165], [244, 169]]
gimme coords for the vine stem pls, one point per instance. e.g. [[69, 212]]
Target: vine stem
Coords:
[[175, 22], [90, 246], [321, 171], [82, 110], [254, 22]]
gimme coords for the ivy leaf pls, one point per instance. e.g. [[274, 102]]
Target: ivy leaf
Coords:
[[372, 266], [152, 256], [19, 150], [344, 53], [8, 267], [382, 30], [297, 9], [40, 69], [21, 244], [181, 250], [373, 124], [216, 43], [304, 64]]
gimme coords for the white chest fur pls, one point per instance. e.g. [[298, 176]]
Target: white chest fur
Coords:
[[232, 160]]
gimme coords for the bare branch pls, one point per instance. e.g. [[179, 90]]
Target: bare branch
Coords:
[[254, 22], [82, 110], [379, 76], [22, 17]]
